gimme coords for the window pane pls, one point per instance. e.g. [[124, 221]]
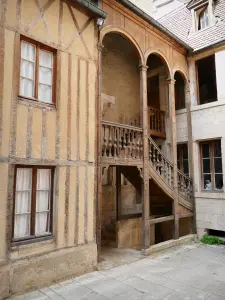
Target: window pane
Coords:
[[42, 200], [217, 148], [45, 93], [42, 223], [205, 150], [26, 87], [23, 179], [27, 69], [218, 165], [206, 165], [46, 59], [22, 226], [22, 204], [28, 51], [219, 181], [207, 182], [43, 179], [45, 76]]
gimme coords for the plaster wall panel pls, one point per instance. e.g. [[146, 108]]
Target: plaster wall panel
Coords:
[[63, 120], [74, 108], [3, 209], [91, 208], [7, 90], [82, 186], [36, 133], [50, 134], [21, 132], [10, 13], [83, 109], [60, 206]]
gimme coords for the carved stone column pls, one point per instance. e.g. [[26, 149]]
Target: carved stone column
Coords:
[[145, 189], [99, 153], [174, 155]]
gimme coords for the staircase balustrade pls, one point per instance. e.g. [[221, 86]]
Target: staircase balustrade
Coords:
[[165, 169], [157, 120], [160, 163], [121, 141]]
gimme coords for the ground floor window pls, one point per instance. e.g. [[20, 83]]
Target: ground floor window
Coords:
[[182, 158], [211, 159], [33, 202]]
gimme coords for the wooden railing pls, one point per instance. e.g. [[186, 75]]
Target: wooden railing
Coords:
[[135, 121], [185, 186], [157, 121], [165, 169], [122, 141], [160, 163]]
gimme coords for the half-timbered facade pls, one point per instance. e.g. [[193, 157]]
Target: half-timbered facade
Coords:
[[88, 137]]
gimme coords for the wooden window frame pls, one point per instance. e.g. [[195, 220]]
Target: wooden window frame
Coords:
[[181, 158], [39, 46], [212, 169], [32, 237]]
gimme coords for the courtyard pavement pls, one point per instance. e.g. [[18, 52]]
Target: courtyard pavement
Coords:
[[193, 271]]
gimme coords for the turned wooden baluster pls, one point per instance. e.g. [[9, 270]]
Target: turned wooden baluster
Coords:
[[124, 143], [104, 141], [153, 157], [119, 142], [115, 143], [133, 147], [165, 169], [157, 161], [129, 143], [110, 141], [137, 145], [141, 146], [150, 152]]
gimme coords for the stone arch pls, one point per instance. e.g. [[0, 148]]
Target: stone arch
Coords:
[[182, 73], [160, 54], [126, 35]]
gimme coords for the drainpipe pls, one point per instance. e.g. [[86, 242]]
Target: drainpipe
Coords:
[[91, 7]]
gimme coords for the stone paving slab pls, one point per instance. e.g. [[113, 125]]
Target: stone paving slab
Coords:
[[188, 272]]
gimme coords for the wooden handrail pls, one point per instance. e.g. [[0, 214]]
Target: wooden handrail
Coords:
[[121, 141]]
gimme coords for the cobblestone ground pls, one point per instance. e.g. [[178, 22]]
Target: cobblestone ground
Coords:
[[187, 272]]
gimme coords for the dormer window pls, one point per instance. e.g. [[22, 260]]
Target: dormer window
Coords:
[[203, 19], [202, 12]]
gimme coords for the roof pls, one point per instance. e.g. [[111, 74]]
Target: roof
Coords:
[[179, 23]]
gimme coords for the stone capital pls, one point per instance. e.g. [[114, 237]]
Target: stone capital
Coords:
[[171, 81], [143, 67]]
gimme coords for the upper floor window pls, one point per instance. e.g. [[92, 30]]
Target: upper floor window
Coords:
[[37, 71], [33, 202], [207, 85], [212, 171], [203, 19], [182, 158]]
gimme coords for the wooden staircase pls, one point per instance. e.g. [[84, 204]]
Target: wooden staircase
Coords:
[[123, 145]]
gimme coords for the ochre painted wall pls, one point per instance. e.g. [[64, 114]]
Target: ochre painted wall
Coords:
[[62, 135]]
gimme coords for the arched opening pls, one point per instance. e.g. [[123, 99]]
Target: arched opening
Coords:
[[121, 186], [120, 80], [180, 102], [159, 126], [157, 91]]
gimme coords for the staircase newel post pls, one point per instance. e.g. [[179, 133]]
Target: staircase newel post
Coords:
[[145, 189], [171, 83]]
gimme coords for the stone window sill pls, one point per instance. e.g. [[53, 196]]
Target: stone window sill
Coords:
[[207, 105], [36, 104], [216, 195], [181, 111]]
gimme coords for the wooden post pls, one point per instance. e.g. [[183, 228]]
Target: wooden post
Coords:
[[174, 155], [145, 189], [190, 148], [99, 154], [118, 193]]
